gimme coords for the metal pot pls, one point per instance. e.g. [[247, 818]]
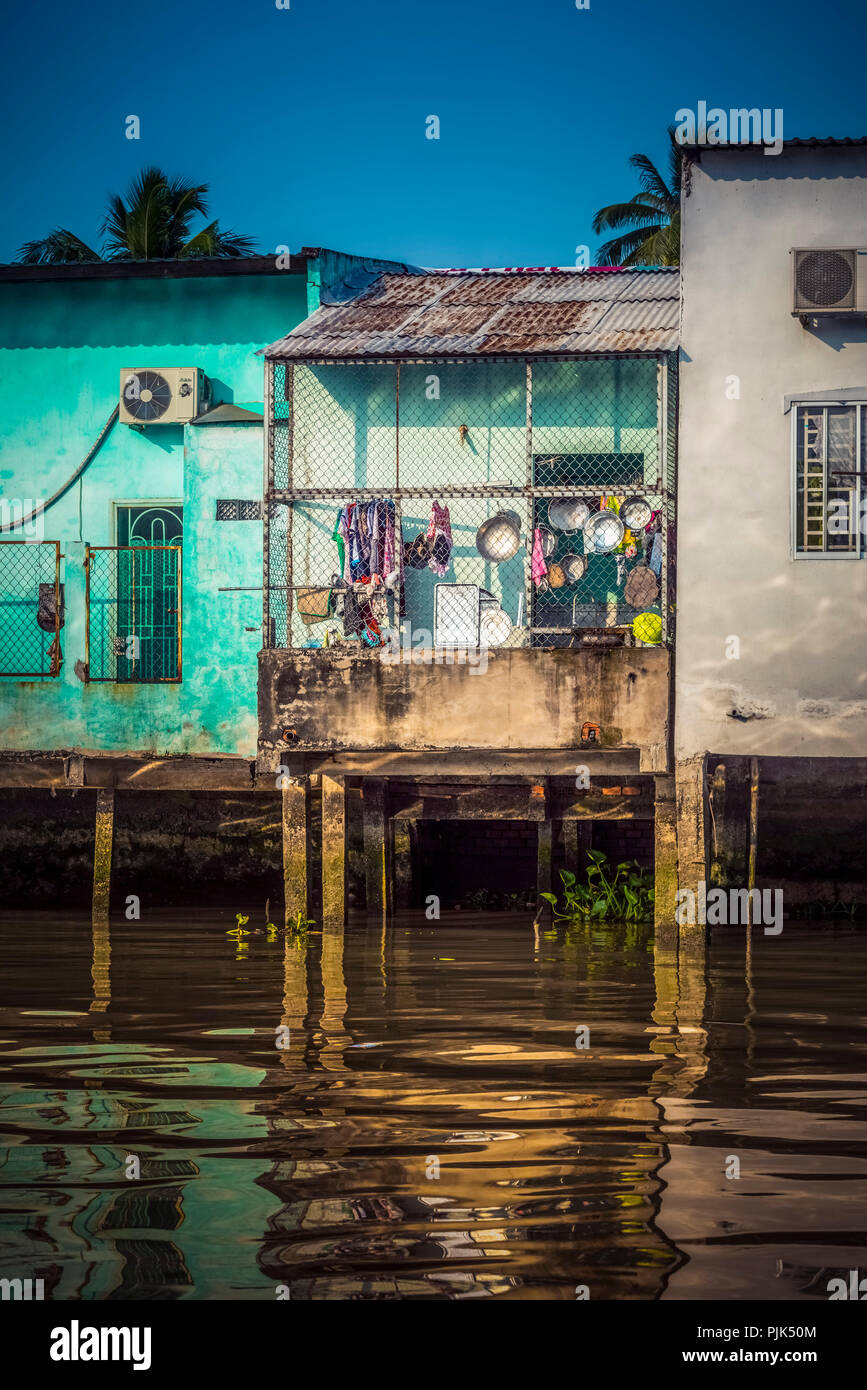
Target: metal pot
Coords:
[[636, 513], [547, 540], [499, 538], [568, 513], [603, 532], [574, 567]]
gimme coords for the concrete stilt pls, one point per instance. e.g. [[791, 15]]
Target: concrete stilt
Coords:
[[754, 834], [402, 862], [102, 847], [375, 844], [665, 864], [692, 868], [728, 808], [570, 845], [544, 845], [333, 849], [296, 827]]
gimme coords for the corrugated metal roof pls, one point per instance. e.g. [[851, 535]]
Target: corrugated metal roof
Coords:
[[806, 142], [492, 314]]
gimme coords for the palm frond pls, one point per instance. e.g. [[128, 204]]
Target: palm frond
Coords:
[[622, 214], [649, 176], [225, 245], [60, 247], [627, 249]]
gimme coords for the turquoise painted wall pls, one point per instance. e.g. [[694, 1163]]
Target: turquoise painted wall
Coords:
[[62, 348]]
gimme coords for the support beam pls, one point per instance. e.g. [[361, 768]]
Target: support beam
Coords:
[[296, 835], [402, 837], [570, 845], [102, 847], [728, 805], [333, 849], [665, 866], [754, 835], [543, 857], [373, 793], [691, 843]]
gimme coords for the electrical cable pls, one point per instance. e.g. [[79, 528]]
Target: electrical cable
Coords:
[[89, 457]]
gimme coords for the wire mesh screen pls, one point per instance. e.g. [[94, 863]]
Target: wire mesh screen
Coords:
[[31, 608], [134, 613], [538, 490]]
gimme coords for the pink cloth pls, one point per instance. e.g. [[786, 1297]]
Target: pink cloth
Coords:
[[538, 568]]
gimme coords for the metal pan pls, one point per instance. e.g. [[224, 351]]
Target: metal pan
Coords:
[[603, 532], [636, 513], [567, 513]]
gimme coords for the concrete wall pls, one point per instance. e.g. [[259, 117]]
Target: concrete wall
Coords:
[[524, 699], [799, 686]]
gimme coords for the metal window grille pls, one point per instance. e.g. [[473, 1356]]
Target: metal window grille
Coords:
[[134, 613], [829, 442], [238, 509], [481, 438], [31, 602]]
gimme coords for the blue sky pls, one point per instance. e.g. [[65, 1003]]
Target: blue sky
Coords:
[[309, 123]]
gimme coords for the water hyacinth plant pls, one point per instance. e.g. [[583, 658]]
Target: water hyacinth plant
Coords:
[[624, 895]]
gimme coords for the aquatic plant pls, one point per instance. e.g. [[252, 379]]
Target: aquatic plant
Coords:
[[624, 895]]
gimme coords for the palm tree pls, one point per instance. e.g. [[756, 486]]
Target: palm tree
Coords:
[[152, 223], [655, 211]]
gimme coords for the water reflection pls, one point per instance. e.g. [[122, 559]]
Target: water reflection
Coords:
[[431, 1129]]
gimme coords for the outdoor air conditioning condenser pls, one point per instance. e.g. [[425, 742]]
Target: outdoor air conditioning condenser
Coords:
[[829, 282], [162, 395]]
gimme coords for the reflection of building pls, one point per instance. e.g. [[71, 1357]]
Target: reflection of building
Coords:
[[468, 559]]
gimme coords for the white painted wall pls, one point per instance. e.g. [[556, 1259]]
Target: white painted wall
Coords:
[[801, 623]]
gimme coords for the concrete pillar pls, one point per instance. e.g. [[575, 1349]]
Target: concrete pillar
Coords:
[[570, 845], [543, 857], [692, 846], [665, 864], [373, 794], [333, 849], [402, 837], [296, 828], [102, 847], [728, 807]]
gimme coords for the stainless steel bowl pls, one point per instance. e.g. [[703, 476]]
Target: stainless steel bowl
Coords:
[[603, 532], [499, 538], [567, 513], [574, 567], [636, 513]]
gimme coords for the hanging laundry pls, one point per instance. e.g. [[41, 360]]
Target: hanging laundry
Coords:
[[439, 530], [538, 568]]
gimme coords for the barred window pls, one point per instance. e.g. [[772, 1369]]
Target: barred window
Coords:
[[829, 443], [238, 509]]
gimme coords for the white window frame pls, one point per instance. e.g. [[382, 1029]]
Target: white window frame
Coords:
[[796, 404]]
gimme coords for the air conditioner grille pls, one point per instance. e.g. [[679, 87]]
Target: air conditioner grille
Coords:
[[146, 395], [825, 278]]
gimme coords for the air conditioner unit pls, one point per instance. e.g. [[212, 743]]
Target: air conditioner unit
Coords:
[[829, 281], [162, 395]]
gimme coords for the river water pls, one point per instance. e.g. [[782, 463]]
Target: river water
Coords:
[[416, 1111]]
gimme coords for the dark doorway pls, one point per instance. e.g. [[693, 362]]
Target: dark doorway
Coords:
[[469, 863]]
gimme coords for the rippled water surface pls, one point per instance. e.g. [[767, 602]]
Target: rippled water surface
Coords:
[[431, 1130]]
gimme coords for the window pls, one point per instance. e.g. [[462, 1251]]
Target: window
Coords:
[[237, 509], [829, 466]]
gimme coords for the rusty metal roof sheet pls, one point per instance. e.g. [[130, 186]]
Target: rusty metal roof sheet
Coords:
[[492, 313]]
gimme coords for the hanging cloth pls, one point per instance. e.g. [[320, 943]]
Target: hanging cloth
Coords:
[[538, 568], [439, 530]]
